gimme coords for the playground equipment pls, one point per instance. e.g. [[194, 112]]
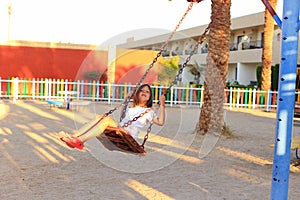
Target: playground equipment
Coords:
[[119, 137], [286, 96]]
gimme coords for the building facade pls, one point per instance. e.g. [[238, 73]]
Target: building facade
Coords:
[[246, 44]]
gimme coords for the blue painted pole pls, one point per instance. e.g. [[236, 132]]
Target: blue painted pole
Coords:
[[286, 100], [191, 94]]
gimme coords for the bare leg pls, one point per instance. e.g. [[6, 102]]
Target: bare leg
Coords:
[[87, 132], [91, 129], [86, 126]]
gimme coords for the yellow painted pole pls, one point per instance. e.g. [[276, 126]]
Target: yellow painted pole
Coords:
[[187, 94], [234, 94], [202, 93], [250, 98], [156, 92], [125, 89]]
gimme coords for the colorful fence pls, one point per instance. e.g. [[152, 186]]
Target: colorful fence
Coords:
[[44, 89]]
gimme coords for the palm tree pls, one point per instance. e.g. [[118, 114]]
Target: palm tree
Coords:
[[211, 117], [267, 48]]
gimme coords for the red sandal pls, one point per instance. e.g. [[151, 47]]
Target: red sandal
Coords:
[[72, 142]]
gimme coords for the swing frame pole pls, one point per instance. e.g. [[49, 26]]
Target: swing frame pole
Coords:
[[272, 12], [286, 100]]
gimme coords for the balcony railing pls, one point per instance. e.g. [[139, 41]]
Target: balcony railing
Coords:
[[257, 44]]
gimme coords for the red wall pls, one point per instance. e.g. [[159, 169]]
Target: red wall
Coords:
[[73, 64], [39, 62]]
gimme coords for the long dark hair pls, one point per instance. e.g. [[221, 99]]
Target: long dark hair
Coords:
[[138, 91]]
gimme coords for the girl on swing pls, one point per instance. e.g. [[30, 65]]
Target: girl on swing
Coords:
[[142, 103]]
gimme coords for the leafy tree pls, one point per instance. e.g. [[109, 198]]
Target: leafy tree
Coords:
[[167, 69]]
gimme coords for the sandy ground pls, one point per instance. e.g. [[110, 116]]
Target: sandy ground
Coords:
[[36, 165]]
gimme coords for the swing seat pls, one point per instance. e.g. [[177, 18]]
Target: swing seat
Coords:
[[118, 139]]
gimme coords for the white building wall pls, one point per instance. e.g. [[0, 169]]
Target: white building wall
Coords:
[[246, 72], [187, 77], [242, 62], [231, 73]]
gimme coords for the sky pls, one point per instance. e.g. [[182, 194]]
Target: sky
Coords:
[[99, 21]]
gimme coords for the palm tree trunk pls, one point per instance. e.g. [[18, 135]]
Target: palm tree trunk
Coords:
[[211, 117], [267, 48]]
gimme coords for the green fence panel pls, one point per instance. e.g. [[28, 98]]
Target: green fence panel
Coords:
[[25, 88], [8, 88], [246, 99]]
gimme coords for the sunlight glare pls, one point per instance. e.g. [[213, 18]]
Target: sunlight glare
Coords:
[[146, 191], [169, 142], [43, 152], [244, 156], [190, 159], [5, 131], [36, 110], [36, 137], [4, 110], [242, 175]]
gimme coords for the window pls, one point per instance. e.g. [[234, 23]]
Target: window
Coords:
[[240, 38], [262, 39]]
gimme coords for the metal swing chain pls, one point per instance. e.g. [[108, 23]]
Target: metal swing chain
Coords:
[[199, 42], [147, 134], [148, 129], [166, 43], [127, 100], [129, 122], [156, 58]]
